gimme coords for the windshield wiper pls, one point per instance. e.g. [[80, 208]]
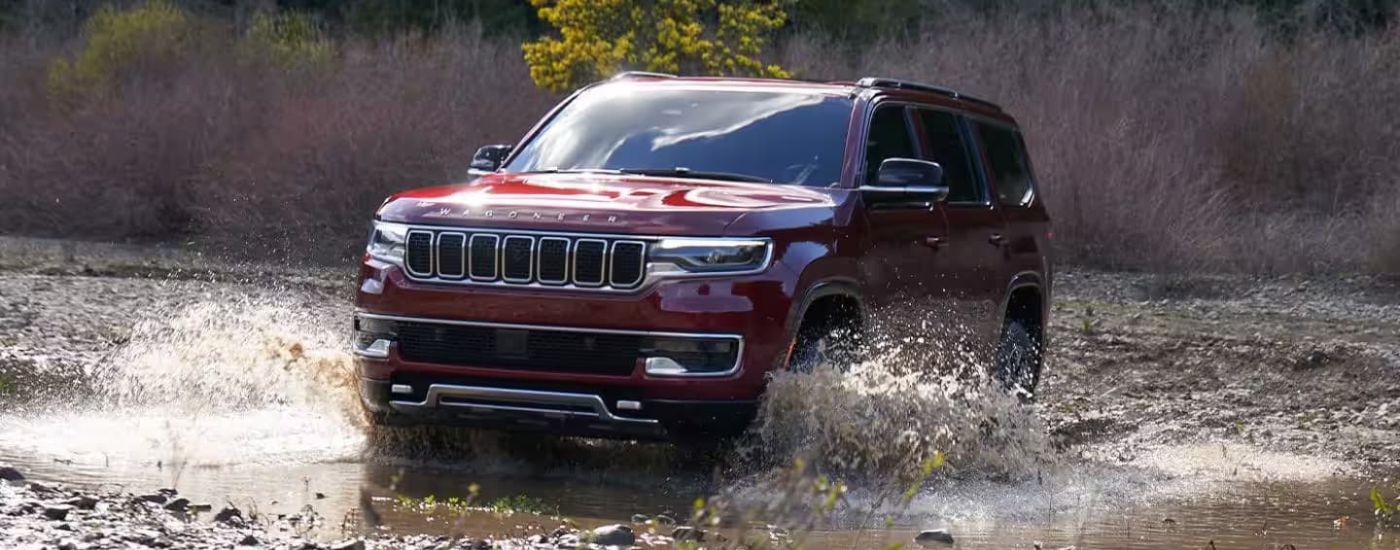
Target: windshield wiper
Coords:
[[553, 170], [683, 172]]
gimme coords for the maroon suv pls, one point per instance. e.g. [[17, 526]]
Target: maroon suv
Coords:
[[642, 260]]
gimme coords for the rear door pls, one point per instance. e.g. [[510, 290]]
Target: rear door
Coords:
[[973, 261], [1015, 194]]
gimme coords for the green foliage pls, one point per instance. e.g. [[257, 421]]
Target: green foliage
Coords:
[[155, 32], [862, 20], [520, 504], [289, 40], [598, 38], [461, 505], [378, 17], [1384, 510]]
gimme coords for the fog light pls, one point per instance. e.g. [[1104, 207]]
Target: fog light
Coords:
[[379, 349], [664, 366], [401, 388], [678, 356]]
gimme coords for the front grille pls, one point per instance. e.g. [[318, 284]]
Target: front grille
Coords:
[[523, 349], [451, 255], [556, 260], [422, 263]]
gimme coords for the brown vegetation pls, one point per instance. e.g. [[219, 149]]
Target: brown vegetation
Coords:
[[1163, 139]]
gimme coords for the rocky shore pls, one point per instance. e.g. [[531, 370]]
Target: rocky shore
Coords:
[[41, 516]]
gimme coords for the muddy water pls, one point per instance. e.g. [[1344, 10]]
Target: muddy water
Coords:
[[249, 402]]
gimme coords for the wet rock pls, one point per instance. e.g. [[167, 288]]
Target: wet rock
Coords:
[[567, 542], [249, 540], [1313, 359], [201, 507], [167, 492], [57, 512], [178, 505], [355, 544], [688, 533], [154, 498], [82, 502], [229, 516], [613, 535], [640, 518], [663, 519], [41, 488], [8, 473], [934, 537]]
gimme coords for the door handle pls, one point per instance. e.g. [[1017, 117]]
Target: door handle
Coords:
[[997, 239], [935, 242]]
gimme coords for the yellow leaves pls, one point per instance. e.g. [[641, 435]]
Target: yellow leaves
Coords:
[[600, 37], [152, 32], [157, 33], [289, 40]]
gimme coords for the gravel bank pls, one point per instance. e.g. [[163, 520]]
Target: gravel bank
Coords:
[[40, 516]]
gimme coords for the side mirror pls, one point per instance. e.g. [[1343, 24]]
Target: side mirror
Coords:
[[907, 181], [488, 159]]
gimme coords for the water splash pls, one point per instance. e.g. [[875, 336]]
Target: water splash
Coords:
[[913, 398], [222, 381], [241, 354]]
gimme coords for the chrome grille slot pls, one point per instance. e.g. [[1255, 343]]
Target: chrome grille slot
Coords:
[[469, 256], [483, 256], [418, 255], [553, 260], [451, 255], [588, 262], [628, 263], [517, 259]]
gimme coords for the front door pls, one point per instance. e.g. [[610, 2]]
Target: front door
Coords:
[[906, 239]]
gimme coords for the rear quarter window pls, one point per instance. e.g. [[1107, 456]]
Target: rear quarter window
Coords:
[[1009, 166]]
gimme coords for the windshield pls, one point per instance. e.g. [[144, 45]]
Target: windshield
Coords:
[[783, 137]]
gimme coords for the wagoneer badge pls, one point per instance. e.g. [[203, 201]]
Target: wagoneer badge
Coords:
[[467, 213]]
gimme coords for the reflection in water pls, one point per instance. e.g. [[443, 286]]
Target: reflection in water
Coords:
[[238, 402]]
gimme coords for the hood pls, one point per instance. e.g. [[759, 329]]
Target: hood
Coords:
[[598, 203]]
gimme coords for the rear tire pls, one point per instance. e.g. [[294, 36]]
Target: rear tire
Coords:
[[1018, 360]]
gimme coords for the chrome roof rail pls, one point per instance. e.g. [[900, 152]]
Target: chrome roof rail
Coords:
[[640, 74], [879, 82]]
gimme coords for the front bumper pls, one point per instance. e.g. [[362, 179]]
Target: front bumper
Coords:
[[752, 309], [572, 413]]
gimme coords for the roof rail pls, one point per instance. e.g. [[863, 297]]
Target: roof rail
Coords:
[[640, 74], [879, 82]]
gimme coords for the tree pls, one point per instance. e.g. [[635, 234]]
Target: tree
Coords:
[[598, 38]]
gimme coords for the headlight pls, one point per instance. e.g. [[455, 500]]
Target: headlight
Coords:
[[386, 242], [711, 255]]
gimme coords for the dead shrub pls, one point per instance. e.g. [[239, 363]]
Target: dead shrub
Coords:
[[1164, 138], [1172, 138]]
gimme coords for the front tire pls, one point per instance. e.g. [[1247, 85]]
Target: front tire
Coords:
[[827, 342], [1018, 360]]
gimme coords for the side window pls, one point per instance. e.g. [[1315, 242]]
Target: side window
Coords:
[[947, 147], [1010, 170], [888, 138]]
